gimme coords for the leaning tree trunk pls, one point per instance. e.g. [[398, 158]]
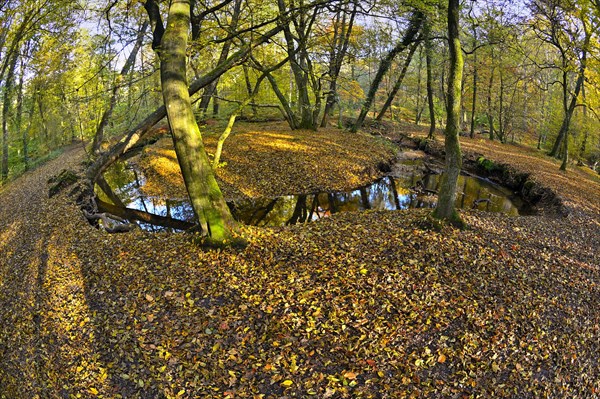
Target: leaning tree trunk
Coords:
[[106, 115], [398, 83], [429, 69], [207, 200], [134, 135], [8, 91], [447, 194], [564, 129], [409, 36], [210, 91]]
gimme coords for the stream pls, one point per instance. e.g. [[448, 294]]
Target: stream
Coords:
[[409, 185]]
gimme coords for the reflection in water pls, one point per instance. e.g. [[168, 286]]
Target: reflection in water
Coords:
[[388, 193], [385, 194]]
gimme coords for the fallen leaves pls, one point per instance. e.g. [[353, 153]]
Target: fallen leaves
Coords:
[[295, 162], [357, 305]]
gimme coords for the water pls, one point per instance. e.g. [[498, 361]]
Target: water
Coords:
[[412, 190]]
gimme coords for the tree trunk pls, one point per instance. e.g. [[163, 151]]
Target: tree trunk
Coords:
[[398, 83], [474, 105], [501, 132], [429, 69], [210, 91], [418, 107], [235, 114], [447, 195], [490, 115], [207, 200], [249, 89], [564, 128], [339, 50], [409, 36], [8, 92], [565, 158], [19, 116], [99, 136], [300, 63]]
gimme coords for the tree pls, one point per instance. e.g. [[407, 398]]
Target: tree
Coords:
[[414, 26], [563, 25], [342, 32], [207, 200], [429, 78], [447, 194], [127, 67]]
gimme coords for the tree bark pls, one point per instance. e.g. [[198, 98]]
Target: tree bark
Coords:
[[429, 71], [8, 92], [447, 195], [339, 50], [409, 36], [207, 200], [398, 83], [99, 136]]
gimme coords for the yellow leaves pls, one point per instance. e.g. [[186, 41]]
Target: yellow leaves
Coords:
[[293, 306], [293, 366]]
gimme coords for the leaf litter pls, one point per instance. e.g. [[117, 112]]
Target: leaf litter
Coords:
[[369, 304]]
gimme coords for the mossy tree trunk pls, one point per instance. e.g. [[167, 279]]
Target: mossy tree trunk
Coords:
[[392, 94], [339, 48], [411, 33], [7, 100], [447, 194], [429, 68], [107, 114], [207, 200]]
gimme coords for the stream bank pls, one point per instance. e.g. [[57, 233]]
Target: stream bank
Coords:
[[541, 199]]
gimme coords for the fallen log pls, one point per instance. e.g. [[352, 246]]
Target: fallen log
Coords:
[[144, 217]]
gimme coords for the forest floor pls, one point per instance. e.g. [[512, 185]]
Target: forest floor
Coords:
[[358, 305]]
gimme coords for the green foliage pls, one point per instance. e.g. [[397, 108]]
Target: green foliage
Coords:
[[487, 165]]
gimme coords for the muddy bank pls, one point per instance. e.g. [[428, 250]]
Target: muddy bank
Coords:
[[543, 199]]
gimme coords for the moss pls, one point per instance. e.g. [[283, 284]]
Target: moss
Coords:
[[424, 144], [208, 243], [432, 222], [65, 179], [487, 165]]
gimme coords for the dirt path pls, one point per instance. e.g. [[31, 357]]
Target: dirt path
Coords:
[[31, 229]]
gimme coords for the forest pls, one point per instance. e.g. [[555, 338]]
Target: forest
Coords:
[[299, 198]]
